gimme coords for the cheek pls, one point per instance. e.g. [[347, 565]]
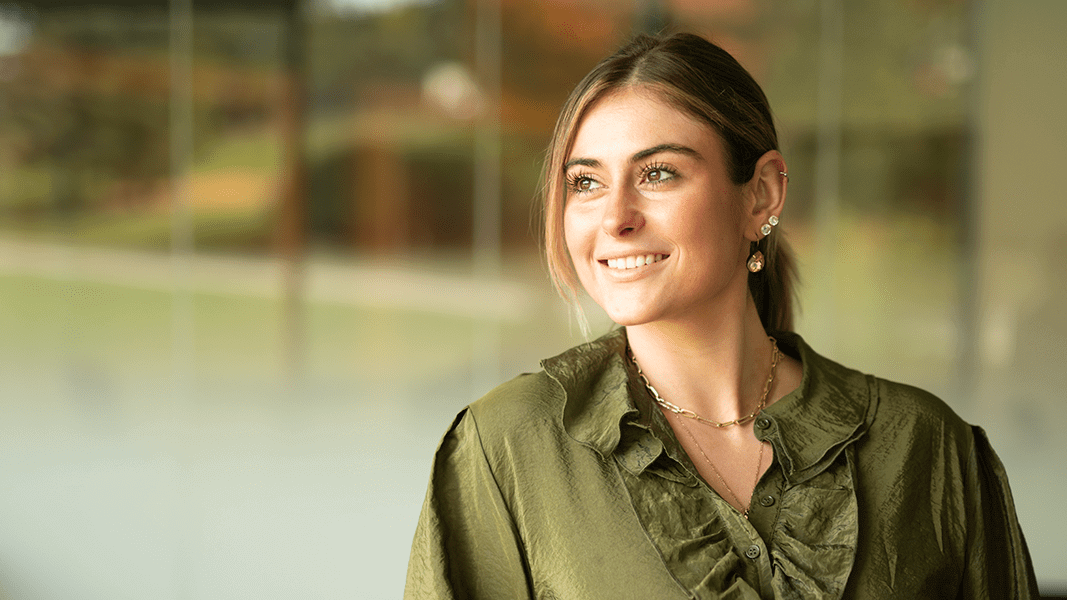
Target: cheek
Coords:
[[573, 234], [580, 245]]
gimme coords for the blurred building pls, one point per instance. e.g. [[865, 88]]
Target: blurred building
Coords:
[[254, 256]]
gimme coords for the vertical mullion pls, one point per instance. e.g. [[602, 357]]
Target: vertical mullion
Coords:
[[488, 198], [827, 174]]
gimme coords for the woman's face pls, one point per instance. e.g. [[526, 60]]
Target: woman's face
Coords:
[[654, 226]]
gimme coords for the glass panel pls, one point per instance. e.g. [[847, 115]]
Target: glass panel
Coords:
[[238, 311]]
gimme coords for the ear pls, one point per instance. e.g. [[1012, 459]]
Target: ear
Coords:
[[765, 193]]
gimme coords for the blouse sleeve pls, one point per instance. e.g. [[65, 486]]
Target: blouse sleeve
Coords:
[[466, 543], [998, 561]]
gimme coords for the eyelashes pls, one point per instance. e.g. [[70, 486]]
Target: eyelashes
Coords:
[[577, 182], [652, 174], [663, 173]]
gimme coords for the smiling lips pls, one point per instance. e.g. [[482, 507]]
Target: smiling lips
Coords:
[[633, 262]]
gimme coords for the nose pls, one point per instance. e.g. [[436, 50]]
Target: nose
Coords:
[[621, 216]]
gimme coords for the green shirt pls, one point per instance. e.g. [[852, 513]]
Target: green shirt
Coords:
[[569, 483]]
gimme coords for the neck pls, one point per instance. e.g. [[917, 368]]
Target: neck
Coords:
[[715, 366]]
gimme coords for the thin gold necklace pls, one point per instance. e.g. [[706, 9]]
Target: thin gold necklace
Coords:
[[685, 412], [692, 415], [759, 463]]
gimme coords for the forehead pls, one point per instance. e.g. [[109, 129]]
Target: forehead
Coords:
[[636, 118]]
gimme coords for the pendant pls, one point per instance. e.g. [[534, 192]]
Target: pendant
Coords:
[[755, 262]]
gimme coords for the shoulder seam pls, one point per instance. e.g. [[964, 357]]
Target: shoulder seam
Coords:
[[496, 482]]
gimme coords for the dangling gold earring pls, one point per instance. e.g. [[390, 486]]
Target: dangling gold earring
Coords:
[[755, 262]]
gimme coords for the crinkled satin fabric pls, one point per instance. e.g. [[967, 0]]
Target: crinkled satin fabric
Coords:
[[568, 484]]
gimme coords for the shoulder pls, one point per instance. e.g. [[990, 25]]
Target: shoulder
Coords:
[[890, 404], [529, 399], [489, 435], [515, 437], [515, 418], [900, 405], [914, 432], [892, 414], [582, 386]]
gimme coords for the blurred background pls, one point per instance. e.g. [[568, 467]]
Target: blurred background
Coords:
[[255, 256]]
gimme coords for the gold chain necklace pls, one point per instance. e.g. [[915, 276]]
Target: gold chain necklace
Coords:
[[692, 415], [759, 463], [685, 412]]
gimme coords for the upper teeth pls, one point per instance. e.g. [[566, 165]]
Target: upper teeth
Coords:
[[632, 262]]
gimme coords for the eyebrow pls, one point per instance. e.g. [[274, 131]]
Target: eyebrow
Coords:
[[657, 149]]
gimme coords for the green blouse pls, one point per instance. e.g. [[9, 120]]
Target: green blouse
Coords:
[[568, 483]]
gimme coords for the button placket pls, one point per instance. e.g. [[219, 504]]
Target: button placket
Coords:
[[765, 507], [762, 519]]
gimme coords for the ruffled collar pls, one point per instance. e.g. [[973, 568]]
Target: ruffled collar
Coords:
[[808, 427]]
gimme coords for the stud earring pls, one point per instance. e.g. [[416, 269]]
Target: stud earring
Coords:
[[784, 174], [765, 229]]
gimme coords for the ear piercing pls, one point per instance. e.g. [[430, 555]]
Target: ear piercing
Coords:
[[756, 262], [766, 228]]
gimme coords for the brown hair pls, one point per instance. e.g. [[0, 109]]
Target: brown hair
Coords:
[[704, 81]]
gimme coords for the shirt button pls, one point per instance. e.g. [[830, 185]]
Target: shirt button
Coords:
[[763, 422], [766, 501], [752, 551]]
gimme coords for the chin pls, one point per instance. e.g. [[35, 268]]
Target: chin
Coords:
[[629, 317], [630, 308]]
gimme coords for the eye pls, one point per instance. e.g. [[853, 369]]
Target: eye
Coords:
[[657, 174], [580, 183]]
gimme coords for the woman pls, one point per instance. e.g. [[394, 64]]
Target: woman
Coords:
[[702, 450]]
